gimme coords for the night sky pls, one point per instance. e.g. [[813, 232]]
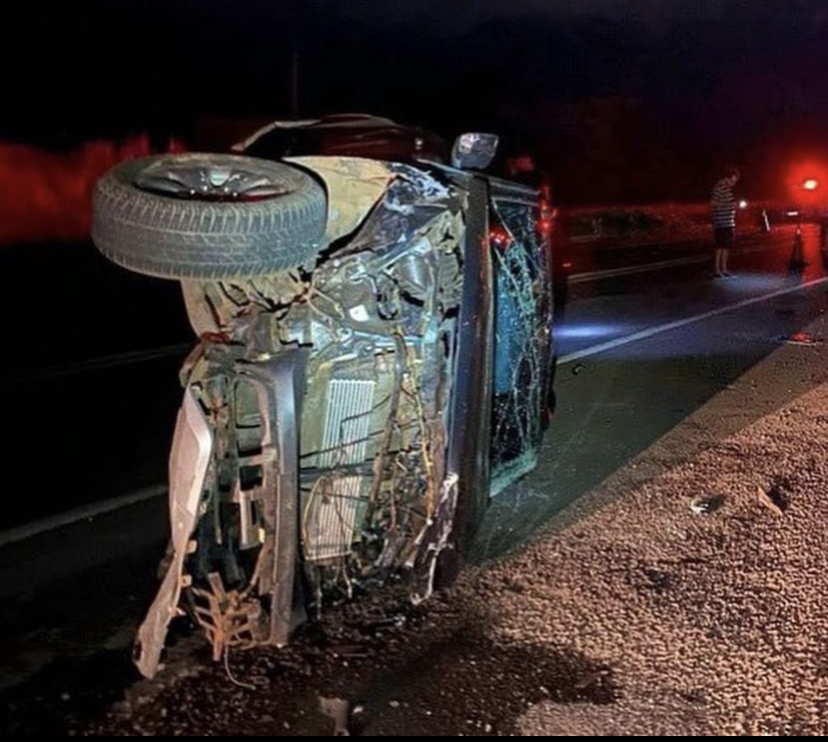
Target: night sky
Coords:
[[633, 98]]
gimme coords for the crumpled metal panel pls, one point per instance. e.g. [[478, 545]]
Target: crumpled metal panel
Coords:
[[354, 187], [190, 457], [413, 204]]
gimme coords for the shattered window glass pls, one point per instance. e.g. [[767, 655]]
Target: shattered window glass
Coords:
[[521, 341]]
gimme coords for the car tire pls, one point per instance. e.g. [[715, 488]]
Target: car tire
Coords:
[[193, 235]]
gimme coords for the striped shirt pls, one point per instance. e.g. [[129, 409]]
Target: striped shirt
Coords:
[[723, 204]]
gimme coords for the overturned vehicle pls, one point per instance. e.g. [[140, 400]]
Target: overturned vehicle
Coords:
[[374, 362]]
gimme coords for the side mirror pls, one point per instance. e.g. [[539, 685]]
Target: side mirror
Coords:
[[474, 150]]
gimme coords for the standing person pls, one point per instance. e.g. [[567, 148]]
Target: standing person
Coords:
[[723, 214]]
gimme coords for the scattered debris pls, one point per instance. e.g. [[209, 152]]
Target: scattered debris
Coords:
[[349, 650], [396, 620], [705, 504], [336, 709], [771, 500], [577, 368], [590, 679], [799, 338]]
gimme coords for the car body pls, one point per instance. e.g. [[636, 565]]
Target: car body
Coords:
[[374, 362]]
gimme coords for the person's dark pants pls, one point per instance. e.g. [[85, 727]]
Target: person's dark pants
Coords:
[[725, 237]]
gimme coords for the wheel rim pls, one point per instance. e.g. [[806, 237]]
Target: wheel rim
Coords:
[[206, 181]]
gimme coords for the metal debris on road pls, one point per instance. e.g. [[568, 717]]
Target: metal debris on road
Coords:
[[336, 709], [705, 504], [799, 338], [769, 501]]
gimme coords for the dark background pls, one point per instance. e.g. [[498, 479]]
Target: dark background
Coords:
[[621, 101]]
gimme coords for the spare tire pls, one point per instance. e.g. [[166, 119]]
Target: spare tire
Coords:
[[209, 216]]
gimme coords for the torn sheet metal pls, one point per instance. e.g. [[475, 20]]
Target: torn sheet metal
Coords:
[[436, 538], [190, 457], [423, 188], [202, 318], [415, 204]]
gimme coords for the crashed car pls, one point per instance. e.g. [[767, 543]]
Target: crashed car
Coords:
[[374, 363]]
